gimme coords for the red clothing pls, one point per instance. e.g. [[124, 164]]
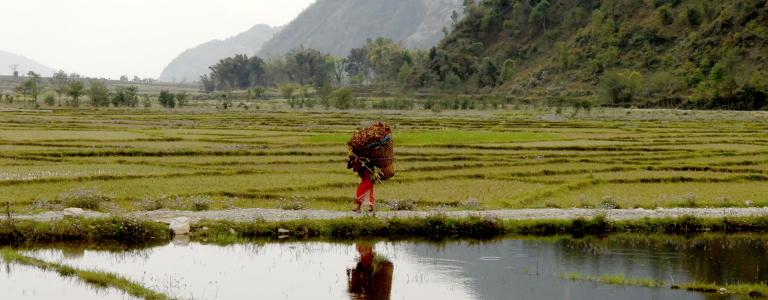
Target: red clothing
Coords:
[[365, 189]]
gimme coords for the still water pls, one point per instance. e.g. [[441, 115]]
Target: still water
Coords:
[[511, 268]]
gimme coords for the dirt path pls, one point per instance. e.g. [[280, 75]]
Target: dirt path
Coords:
[[518, 214]]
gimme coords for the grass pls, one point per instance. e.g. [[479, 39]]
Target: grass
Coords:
[[502, 159], [95, 278], [448, 137], [107, 230], [439, 227], [751, 290]]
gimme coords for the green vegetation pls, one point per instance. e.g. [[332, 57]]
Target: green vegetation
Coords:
[[108, 230], [439, 227], [525, 158], [699, 54], [96, 278], [690, 53], [752, 290]]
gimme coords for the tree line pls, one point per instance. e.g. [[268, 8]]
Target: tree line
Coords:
[[71, 88]]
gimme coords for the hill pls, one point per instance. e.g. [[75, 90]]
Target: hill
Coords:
[[23, 65], [192, 63], [694, 53], [337, 26]]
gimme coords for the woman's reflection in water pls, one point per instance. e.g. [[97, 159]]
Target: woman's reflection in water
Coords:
[[372, 277]]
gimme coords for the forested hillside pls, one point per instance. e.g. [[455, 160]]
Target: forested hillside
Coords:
[[337, 26], [194, 62], [695, 53]]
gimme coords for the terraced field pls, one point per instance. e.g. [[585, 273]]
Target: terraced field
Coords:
[[475, 160]]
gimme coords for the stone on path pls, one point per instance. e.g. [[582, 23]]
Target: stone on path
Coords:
[[180, 226], [73, 212]]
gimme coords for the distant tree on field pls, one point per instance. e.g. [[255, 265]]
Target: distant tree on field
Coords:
[[339, 69], [124, 78], [125, 96], [75, 89], [60, 82], [167, 99], [208, 83], [257, 92], [288, 92], [182, 99], [98, 94], [358, 63], [31, 87]]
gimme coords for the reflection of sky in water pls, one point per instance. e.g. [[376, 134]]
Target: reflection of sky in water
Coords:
[[21, 282], [505, 269]]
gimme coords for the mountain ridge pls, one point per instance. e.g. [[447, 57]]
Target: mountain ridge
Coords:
[[24, 65], [337, 26], [189, 65]]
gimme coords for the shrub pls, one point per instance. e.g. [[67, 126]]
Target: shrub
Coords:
[[50, 100], [99, 94], [401, 204], [665, 16], [150, 204], [609, 203], [295, 203], [83, 198], [619, 88], [471, 203], [201, 203], [167, 99], [342, 99]]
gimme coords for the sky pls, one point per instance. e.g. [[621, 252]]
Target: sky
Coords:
[[108, 38]]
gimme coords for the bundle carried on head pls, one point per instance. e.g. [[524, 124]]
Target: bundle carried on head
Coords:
[[374, 146]]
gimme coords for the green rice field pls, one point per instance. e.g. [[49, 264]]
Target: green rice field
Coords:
[[141, 160]]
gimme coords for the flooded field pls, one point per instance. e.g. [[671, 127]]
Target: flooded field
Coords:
[[510, 268]]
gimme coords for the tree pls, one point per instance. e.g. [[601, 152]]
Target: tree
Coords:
[[31, 87], [343, 99], [167, 99], [124, 78], [237, 72], [716, 76], [339, 67], [208, 83], [487, 73], [507, 70], [357, 63], [99, 94], [307, 66], [60, 82], [325, 93], [75, 89], [182, 99], [539, 13], [387, 58], [287, 90], [125, 96], [620, 87], [257, 92]]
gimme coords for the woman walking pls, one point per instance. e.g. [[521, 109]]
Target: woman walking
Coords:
[[365, 188], [371, 156]]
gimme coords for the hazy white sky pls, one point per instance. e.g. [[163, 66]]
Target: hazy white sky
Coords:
[[107, 38]]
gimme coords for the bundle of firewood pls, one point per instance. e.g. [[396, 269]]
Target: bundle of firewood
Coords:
[[376, 145]]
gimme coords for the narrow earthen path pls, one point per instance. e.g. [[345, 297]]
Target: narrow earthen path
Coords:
[[252, 214]]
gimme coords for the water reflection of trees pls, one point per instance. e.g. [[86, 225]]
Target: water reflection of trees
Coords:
[[371, 278], [719, 258]]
